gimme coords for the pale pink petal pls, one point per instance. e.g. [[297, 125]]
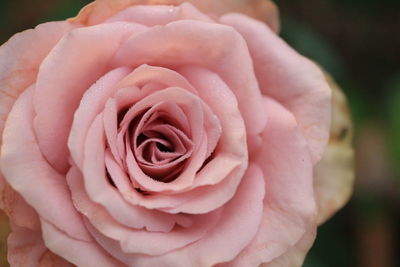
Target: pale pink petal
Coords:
[[25, 246], [134, 242], [232, 142], [118, 176], [334, 174], [239, 222], [91, 104], [80, 253], [146, 74], [289, 205], [203, 199], [30, 175], [62, 80], [159, 14], [289, 78], [199, 200], [172, 115], [295, 255], [20, 58], [110, 122], [199, 43]]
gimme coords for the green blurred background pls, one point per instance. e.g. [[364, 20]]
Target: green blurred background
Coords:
[[358, 42]]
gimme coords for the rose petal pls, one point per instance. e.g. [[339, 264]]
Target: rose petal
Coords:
[[289, 205], [62, 81], [91, 104], [203, 199], [132, 243], [16, 208], [232, 143], [145, 74], [290, 78], [190, 42], [118, 175], [20, 59], [296, 254], [76, 251], [25, 247], [241, 215], [30, 175]]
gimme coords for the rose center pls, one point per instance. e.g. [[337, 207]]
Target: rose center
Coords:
[[160, 143]]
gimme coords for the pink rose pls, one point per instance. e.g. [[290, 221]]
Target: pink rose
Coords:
[[146, 134]]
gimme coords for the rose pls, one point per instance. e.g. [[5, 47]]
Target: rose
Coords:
[[160, 135]]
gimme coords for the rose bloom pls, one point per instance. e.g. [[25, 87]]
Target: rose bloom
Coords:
[[165, 133]]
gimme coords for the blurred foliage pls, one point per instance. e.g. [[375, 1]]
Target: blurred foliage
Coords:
[[393, 115]]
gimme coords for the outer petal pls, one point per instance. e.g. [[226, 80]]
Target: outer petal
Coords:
[[264, 10], [26, 248], [30, 175], [16, 208], [289, 205], [334, 174], [241, 215], [290, 78], [20, 58], [294, 257], [80, 253], [91, 104], [62, 80]]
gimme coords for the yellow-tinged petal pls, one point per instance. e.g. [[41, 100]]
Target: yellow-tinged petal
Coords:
[[334, 174], [264, 10]]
